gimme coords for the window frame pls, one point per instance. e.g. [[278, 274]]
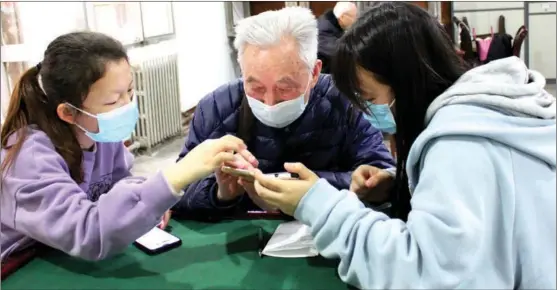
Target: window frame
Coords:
[[162, 37], [229, 15], [144, 41]]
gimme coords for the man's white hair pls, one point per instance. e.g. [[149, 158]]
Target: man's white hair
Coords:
[[343, 7], [268, 28]]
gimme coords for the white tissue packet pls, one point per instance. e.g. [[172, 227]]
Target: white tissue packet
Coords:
[[291, 240]]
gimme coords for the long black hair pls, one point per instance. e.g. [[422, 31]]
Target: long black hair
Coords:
[[72, 63], [407, 49]]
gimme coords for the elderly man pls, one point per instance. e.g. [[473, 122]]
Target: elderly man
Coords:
[[284, 110], [332, 25]]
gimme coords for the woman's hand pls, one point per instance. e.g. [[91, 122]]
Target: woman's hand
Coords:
[[249, 187], [371, 183], [203, 160], [285, 194]]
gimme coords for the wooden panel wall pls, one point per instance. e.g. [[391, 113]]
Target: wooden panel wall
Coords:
[[320, 7], [257, 7]]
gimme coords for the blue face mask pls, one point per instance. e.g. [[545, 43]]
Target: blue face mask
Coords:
[[114, 126], [381, 117]]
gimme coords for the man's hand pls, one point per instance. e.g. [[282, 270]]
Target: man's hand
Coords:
[[371, 183], [228, 185]]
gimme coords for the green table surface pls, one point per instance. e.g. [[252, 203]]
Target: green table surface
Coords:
[[212, 256]]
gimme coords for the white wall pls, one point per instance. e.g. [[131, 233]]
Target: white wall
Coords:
[[542, 39], [541, 28], [204, 53]]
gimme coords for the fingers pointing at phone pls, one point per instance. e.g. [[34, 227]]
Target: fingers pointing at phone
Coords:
[[205, 159], [243, 160], [229, 187]]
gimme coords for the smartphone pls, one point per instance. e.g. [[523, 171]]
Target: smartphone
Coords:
[[157, 241], [248, 175], [245, 174], [284, 175]]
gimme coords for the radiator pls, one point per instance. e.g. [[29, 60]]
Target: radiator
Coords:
[[158, 96]]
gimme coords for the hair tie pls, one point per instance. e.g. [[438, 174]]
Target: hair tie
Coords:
[[39, 65]]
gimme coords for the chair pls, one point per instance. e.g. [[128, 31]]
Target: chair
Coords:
[[501, 29], [466, 43], [519, 39]]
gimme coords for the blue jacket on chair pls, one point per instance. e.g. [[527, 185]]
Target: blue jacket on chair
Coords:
[[331, 138]]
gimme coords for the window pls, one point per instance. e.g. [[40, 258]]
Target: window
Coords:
[[14, 70], [234, 12], [28, 27], [157, 19], [121, 20], [38, 23], [10, 30], [11, 35], [131, 22]]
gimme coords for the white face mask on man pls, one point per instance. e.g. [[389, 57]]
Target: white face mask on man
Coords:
[[281, 114]]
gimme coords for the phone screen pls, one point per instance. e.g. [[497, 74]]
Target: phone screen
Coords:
[[156, 238]]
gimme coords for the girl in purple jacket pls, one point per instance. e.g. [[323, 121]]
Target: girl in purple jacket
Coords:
[[65, 173]]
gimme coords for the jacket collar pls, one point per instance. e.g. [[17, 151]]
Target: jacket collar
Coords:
[[330, 16]]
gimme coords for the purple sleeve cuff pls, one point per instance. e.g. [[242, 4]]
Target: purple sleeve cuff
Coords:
[[156, 193]]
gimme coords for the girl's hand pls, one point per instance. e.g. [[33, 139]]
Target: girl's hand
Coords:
[[285, 194], [204, 159], [165, 219], [249, 187], [371, 183]]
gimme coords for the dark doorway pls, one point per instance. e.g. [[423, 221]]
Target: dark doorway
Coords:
[[256, 7], [320, 7]]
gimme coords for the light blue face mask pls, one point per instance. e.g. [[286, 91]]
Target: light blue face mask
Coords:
[[381, 117], [114, 126]]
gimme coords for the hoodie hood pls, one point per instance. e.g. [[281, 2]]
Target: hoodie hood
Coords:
[[506, 85], [502, 101]]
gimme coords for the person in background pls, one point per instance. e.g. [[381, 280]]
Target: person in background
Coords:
[[476, 166], [332, 25], [65, 173], [284, 110]]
